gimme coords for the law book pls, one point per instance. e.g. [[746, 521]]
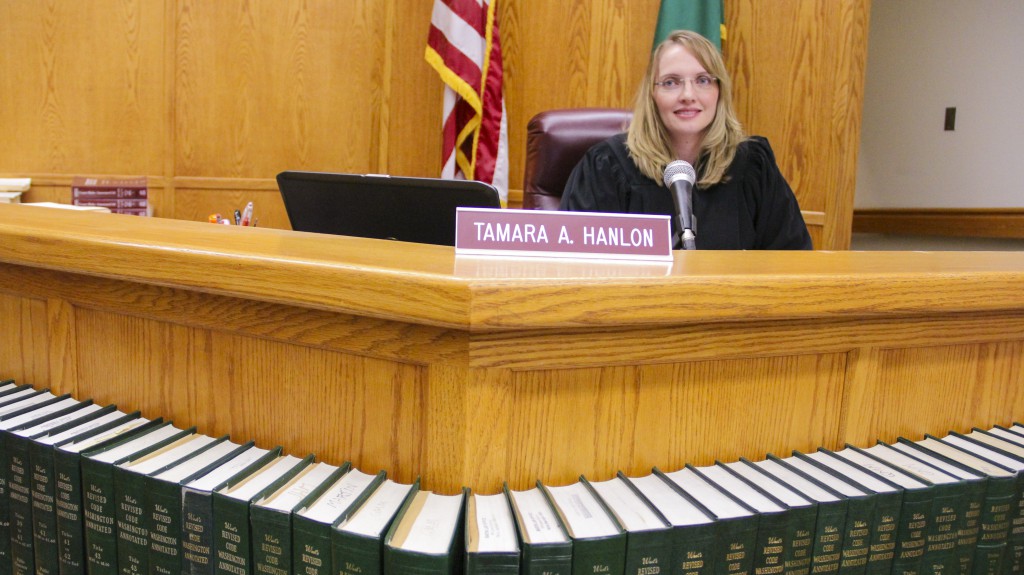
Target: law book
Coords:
[[44, 482], [828, 509], [98, 495], [969, 443], [887, 504], [598, 541], [986, 528], [68, 488], [28, 444], [313, 522], [357, 541], [132, 484], [12, 415], [855, 505], [271, 516], [15, 456], [649, 535], [426, 537], [693, 534], [197, 534], [1011, 434], [163, 502], [492, 547], [803, 520], [544, 543], [121, 195], [233, 542], [952, 495], [774, 542], [735, 525], [915, 510]]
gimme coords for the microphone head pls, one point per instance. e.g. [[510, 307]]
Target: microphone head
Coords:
[[679, 169]]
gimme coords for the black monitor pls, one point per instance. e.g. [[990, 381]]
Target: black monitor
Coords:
[[407, 209]]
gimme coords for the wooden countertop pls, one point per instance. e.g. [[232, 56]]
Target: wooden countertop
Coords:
[[429, 285]]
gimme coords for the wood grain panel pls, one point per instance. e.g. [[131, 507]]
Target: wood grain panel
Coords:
[[939, 388], [265, 86], [369, 410], [24, 347], [630, 419], [83, 87], [958, 222]]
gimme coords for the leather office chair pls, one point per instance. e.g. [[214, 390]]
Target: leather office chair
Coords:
[[555, 142]]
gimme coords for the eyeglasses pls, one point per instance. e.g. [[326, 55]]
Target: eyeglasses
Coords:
[[702, 83]]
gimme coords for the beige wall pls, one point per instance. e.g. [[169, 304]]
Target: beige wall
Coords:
[[211, 99]]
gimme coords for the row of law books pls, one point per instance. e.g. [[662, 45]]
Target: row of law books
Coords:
[[89, 489]]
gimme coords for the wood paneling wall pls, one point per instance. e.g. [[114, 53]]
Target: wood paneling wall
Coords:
[[211, 99]]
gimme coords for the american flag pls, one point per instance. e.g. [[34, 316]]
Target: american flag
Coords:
[[464, 48]]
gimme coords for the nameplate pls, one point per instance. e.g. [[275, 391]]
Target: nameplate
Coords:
[[482, 231]]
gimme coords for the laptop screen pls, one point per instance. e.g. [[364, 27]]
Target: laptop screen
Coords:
[[407, 209]]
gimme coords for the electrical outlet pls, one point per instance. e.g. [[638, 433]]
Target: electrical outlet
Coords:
[[950, 119]]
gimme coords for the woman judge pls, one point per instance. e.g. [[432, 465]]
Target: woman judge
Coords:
[[684, 111]]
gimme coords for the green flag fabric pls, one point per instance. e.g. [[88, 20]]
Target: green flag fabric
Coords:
[[706, 17]]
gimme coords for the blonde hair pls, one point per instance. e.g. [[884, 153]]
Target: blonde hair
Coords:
[[648, 140]]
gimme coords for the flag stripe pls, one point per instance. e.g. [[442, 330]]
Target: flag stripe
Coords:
[[460, 36], [470, 12], [455, 69]]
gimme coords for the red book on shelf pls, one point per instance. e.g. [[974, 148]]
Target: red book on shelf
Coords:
[[120, 195]]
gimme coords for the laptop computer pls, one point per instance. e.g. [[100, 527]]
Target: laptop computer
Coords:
[[407, 209]]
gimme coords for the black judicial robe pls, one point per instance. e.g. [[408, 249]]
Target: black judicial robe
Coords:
[[754, 209]]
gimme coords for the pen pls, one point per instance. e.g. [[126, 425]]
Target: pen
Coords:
[[247, 214], [238, 217]]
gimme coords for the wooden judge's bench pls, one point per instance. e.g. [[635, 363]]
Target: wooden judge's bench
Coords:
[[405, 358]]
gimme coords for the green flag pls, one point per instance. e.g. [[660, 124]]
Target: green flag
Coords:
[[705, 17]]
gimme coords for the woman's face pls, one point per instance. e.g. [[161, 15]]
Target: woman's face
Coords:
[[686, 100]]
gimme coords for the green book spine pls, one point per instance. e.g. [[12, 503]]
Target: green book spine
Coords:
[[693, 549], [272, 531], [885, 532], [233, 541], [492, 564], [312, 539], [101, 507], [968, 529], [16, 507], [162, 515], [736, 540], [130, 491], [6, 561], [99, 526], [857, 533], [44, 510], [828, 537], [272, 541], [803, 535], [354, 554], [163, 512], [648, 552], [44, 495], [198, 523], [363, 554], [398, 561], [940, 556], [16, 460], [1000, 499], [546, 559], [1015, 543], [770, 545], [606, 555], [71, 552]]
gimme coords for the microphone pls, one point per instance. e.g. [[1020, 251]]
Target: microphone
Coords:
[[680, 177]]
